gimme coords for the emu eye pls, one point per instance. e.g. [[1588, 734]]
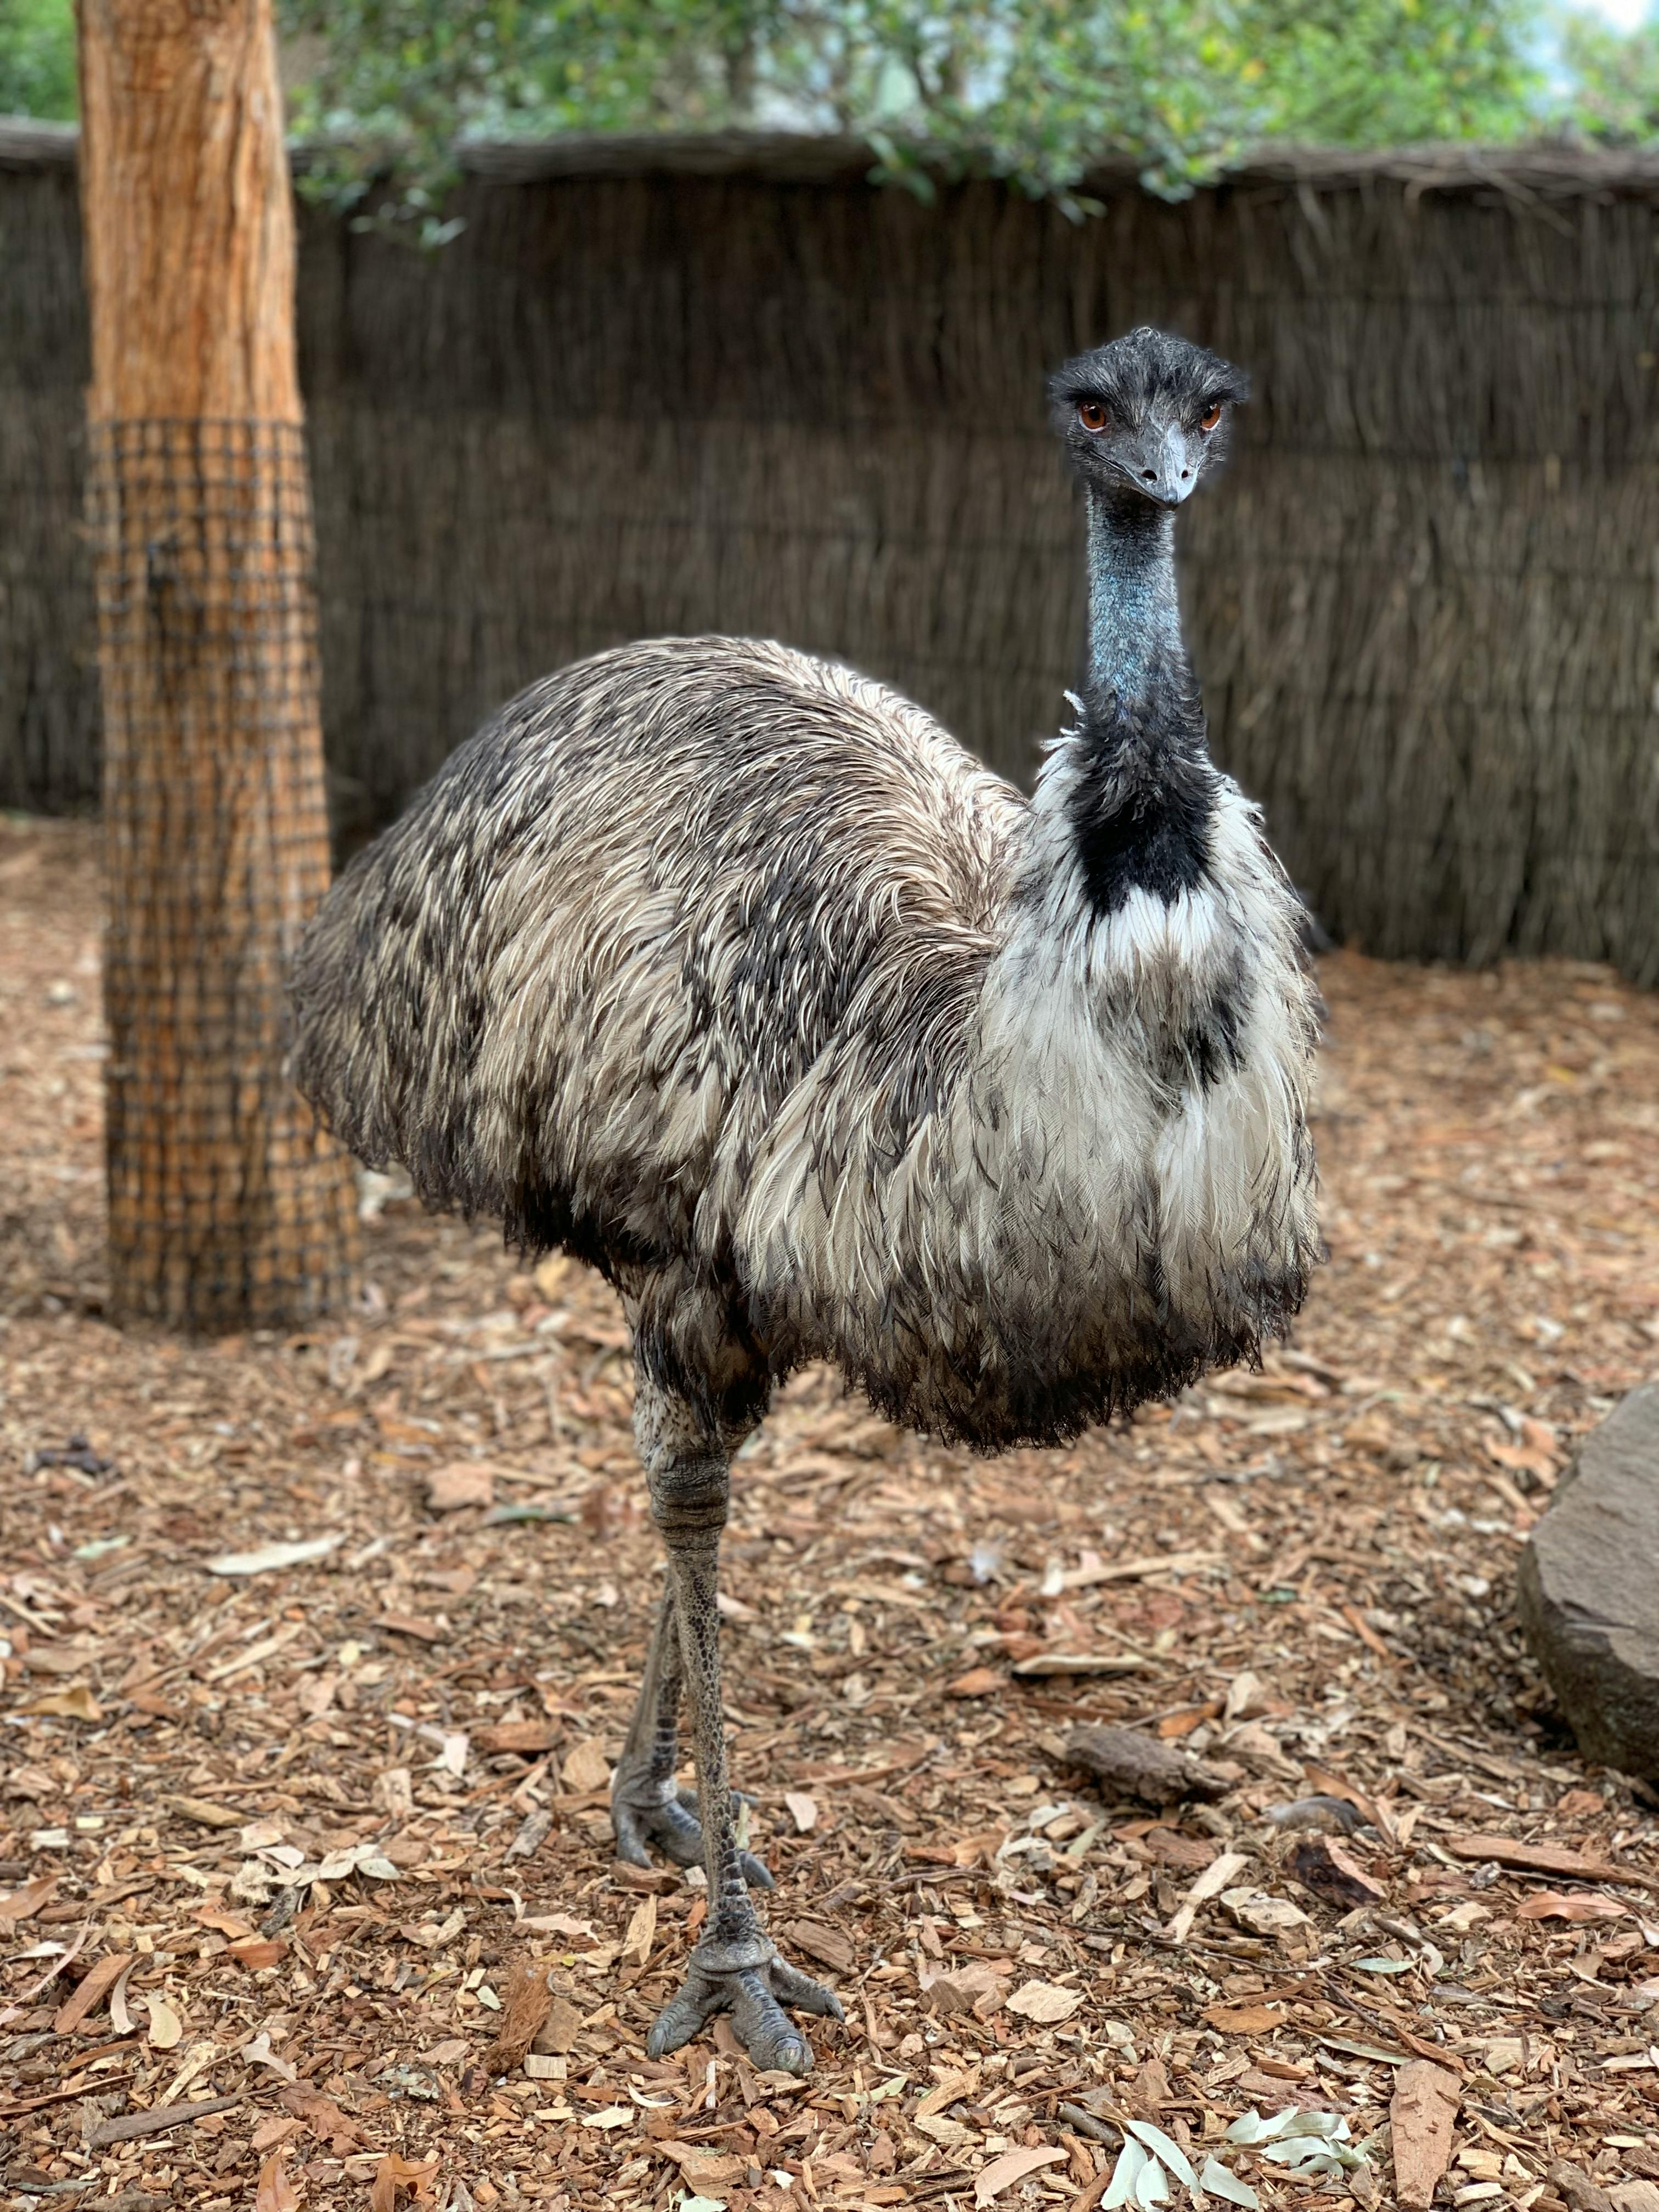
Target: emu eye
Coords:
[[1092, 415], [1211, 417]]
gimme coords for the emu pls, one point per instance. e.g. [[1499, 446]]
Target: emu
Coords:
[[727, 970]]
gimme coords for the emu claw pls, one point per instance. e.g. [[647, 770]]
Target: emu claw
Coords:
[[754, 1994], [672, 1826]]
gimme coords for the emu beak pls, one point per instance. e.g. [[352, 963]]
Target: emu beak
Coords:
[[1159, 464]]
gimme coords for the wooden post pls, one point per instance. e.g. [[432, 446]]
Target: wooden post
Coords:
[[227, 1209]]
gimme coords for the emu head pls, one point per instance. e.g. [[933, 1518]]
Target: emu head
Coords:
[[1143, 418]]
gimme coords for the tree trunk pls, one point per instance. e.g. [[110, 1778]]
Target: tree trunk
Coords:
[[227, 1208]]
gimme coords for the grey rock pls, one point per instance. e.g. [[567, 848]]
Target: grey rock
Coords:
[[1589, 1590]]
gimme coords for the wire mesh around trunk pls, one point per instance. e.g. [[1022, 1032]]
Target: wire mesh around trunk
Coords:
[[227, 1209]]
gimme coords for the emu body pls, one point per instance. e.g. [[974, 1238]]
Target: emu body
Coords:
[[727, 970]]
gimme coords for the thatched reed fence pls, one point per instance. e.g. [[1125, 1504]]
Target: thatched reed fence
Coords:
[[730, 386]]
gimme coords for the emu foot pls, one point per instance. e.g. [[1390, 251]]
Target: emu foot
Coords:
[[750, 1981], [646, 1811]]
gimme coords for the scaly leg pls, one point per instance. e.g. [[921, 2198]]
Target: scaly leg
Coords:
[[648, 1805], [735, 1967]]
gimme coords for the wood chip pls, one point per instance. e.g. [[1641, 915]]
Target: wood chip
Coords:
[[1046, 2002], [1422, 2112], [412, 1624], [1545, 1858], [891, 1568], [1140, 1766], [90, 1992], [205, 1813], [527, 1736], [129, 2126], [559, 2031], [464, 1483], [587, 1767], [827, 1946]]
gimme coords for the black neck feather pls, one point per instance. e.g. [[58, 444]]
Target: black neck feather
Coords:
[[1143, 803]]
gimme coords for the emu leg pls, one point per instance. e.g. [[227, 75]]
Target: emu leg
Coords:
[[648, 1805], [735, 1967]]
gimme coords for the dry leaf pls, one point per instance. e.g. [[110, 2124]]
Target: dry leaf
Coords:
[[258, 2052], [1583, 1904], [641, 1928], [270, 1557], [1214, 1879], [1244, 2020], [22, 2003], [323, 2117], [270, 2132], [395, 2172], [1013, 2166], [1580, 1805], [75, 1703], [166, 2028], [803, 1811], [226, 1923], [1327, 1783], [1174, 1725], [1321, 1865], [1261, 1915], [977, 1682], [1246, 1698], [23, 1904], [255, 1951], [275, 2192]]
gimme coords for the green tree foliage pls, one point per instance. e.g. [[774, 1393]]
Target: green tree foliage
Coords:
[[1397, 72], [1614, 80], [1034, 90], [1030, 89], [37, 58]]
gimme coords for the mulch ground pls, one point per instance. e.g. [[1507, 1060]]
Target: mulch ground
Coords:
[[285, 1846]]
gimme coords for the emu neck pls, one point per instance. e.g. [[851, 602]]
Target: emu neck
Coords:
[[1134, 616], [1132, 792]]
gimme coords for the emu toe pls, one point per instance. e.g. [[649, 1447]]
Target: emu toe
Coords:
[[755, 1996], [672, 1823]]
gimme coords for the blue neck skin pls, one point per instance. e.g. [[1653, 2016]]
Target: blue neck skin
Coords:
[[1134, 618]]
